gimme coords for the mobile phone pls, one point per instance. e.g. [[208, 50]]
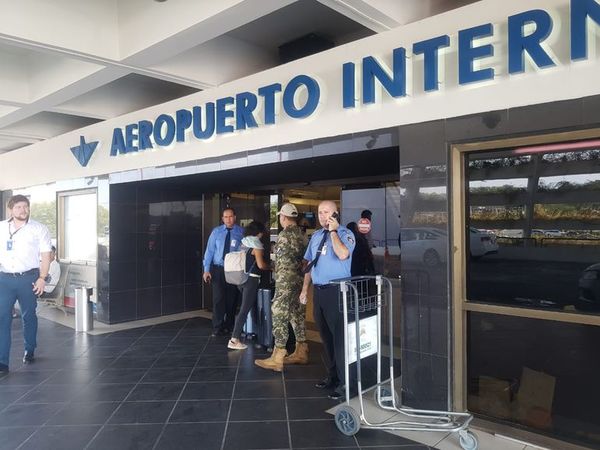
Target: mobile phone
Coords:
[[336, 216]]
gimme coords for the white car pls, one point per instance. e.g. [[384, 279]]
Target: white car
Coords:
[[553, 233], [426, 246], [429, 245], [482, 243]]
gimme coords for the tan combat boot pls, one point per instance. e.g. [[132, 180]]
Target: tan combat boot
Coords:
[[300, 355], [274, 362]]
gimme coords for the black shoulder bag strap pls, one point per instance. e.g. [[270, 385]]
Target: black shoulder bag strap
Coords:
[[313, 263], [245, 262]]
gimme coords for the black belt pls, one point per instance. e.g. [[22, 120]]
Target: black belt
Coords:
[[21, 274], [324, 286]]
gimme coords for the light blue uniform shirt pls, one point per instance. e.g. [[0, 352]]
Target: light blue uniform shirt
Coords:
[[330, 267], [214, 247]]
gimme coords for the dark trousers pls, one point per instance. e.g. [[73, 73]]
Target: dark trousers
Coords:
[[330, 322], [225, 299], [249, 292], [14, 288]]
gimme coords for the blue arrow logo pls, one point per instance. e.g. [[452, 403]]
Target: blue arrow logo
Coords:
[[84, 151]]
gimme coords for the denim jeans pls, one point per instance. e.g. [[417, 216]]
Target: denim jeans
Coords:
[[14, 288]]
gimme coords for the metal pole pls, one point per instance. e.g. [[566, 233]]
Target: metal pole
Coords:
[[84, 320]]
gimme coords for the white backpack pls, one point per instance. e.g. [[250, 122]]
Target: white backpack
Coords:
[[235, 267]]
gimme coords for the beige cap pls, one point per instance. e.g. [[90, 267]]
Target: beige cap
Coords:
[[288, 210]]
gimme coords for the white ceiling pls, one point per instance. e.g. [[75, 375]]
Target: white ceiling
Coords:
[[66, 64]]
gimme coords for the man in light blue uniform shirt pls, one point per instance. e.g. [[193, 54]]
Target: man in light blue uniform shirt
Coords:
[[223, 239], [329, 254]]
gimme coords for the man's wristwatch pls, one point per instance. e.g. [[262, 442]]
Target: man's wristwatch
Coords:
[[46, 278]]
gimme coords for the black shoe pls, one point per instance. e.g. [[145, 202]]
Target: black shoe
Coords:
[[338, 393], [28, 358], [327, 383], [217, 333], [3, 368]]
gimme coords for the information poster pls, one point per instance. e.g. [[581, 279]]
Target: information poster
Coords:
[[368, 338]]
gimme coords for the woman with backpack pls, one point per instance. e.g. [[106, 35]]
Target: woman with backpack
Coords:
[[256, 262]]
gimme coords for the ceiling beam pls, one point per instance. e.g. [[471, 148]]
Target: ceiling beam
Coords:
[[12, 136], [80, 113], [129, 68], [364, 13], [45, 103], [214, 26]]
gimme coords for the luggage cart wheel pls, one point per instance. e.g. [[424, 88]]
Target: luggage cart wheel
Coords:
[[383, 397], [468, 440], [347, 420]]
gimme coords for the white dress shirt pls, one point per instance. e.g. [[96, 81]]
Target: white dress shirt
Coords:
[[20, 249]]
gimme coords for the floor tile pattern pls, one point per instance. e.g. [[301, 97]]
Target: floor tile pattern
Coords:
[[166, 386]]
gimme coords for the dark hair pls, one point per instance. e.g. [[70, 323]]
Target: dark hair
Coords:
[[53, 249], [366, 214], [17, 199], [254, 228], [229, 208], [352, 227]]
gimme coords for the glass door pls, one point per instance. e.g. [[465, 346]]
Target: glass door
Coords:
[[527, 284], [78, 239]]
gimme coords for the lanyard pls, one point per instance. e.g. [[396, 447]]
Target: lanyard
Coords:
[[14, 232]]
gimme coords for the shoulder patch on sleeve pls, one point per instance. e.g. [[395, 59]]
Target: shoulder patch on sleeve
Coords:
[[350, 239]]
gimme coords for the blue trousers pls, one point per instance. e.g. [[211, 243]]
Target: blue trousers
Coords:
[[14, 288]]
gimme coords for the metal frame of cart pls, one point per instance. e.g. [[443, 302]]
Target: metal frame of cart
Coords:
[[370, 293]]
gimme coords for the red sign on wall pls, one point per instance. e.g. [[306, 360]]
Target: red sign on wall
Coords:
[[364, 225]]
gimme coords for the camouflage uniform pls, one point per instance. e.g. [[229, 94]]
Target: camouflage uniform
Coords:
[[286, 306]]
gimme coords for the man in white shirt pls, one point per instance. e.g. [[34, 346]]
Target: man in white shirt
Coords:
[[22, 241]]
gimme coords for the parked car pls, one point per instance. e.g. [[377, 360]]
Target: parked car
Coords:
[[426, 246], [482, 243], [589, 287], [553, 233], [509, 233]]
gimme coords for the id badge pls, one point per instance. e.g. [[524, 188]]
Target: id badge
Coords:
[[9, 245], [233, 243], [324, 251]]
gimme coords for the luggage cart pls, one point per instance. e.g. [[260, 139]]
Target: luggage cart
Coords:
[[360, 295]]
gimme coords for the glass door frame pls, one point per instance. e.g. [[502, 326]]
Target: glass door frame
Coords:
[[60, 220], [460, 303]]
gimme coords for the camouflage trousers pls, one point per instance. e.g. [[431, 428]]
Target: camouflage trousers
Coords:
[[286, 308]]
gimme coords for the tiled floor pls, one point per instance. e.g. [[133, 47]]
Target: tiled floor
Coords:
[[167, 386]]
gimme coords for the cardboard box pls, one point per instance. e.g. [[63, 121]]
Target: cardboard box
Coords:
[[494, 398], [534, 399]]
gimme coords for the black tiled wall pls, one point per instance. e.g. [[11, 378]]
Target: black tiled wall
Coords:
[[154, 253]]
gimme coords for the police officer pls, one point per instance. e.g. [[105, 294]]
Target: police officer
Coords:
[[329, 254], [22, 242], [222, 240], [286, 307]]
